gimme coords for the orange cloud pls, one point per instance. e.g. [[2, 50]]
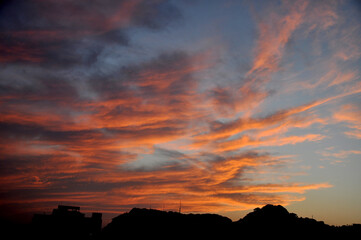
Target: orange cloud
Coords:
[[351, 115], [341, 154], [348, 113], [344, 78], [246, 141], [274, 33], [201, 186], [334, 77], [285, 120], [279, 188]]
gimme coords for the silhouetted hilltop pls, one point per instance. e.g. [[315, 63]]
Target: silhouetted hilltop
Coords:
[[276, 219], [268, 214], [150, 222], [268, 221], [152, 216]]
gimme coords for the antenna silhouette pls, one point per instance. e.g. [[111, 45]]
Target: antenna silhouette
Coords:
[[180, 206]]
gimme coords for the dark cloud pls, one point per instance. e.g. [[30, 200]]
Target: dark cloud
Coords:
[[168, 73], [21, 164], [116, 36], [224, 99], [160, 86], [145, 132], [68, 33], [34, 84], [39, 132], [156, 15]]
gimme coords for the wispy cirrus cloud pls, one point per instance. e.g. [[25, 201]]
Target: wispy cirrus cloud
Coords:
[[350, 114], [341, 154], [274, 33]]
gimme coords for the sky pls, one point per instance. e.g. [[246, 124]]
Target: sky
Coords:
[[222, 106]]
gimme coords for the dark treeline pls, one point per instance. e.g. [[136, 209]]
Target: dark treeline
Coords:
[[270, 221]]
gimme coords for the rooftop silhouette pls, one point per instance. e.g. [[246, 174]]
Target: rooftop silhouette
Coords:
[[66, 222]]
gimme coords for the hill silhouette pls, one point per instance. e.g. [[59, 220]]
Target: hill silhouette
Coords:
[[67, 222], [277, 220], [150, 222], [267, 221]]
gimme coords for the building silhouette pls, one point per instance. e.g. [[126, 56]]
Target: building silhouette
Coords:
[[66, 222]]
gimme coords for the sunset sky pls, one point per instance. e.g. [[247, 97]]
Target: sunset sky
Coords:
[[223, 106]]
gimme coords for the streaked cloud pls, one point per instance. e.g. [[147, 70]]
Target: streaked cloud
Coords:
[[350, 115]]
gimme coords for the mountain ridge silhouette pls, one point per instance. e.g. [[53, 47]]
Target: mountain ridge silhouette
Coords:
[[139, 223], [268, 220]]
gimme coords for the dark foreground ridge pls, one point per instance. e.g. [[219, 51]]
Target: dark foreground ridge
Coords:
[[67, 222], [267, 221]]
